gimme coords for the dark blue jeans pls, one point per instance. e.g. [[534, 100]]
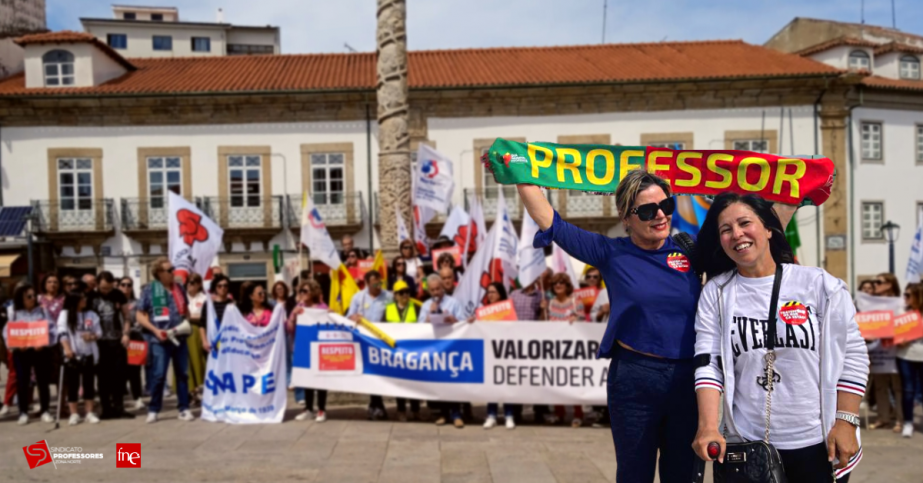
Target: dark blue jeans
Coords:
[[160, 355], [653, 408], [911, 381]]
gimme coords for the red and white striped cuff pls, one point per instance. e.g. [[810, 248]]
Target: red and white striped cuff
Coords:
[[856, 388]]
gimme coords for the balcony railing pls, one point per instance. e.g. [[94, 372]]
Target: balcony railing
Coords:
[[245, 211], [574, 204], [52, 216], [488, 198], [145, 214], [338, 209]]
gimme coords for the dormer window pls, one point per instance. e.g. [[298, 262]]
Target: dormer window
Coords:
[[910, 67], [58, 66], [858, 59], [129, 16]]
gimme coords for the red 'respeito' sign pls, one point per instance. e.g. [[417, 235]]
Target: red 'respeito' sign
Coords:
[[500, 311], [137, 352], [876, 324], [336, 357], [908, 327], [27, 335]]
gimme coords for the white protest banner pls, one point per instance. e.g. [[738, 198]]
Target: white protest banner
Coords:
[[433, 183], [193, 238], [915, 263], [531, 260], [510, 362], [314, 235], [245, 380], [507, 244]]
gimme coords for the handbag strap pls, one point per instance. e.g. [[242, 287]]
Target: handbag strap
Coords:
[[770, 357]]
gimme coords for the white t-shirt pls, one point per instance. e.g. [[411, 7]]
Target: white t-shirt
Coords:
[[196, 304], [795, 421]]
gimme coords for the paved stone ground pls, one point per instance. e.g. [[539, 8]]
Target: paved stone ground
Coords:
[[347, 448]]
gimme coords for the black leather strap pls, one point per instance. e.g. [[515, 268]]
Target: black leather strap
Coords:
[[773, 308]]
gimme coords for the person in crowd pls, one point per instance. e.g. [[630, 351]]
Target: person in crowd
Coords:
[[414, 264], [445, 260], [133, 373], [79, 329], [370, 304], [309, 296], [348, 244], [402, 311], [867, 286], [162, 306], [529, 303], [220, 292], [495, 293], [197, 357], [89, 282], [910, 361], [279, 295], [109, 305], [351, 261], [651, 323], [25, 361], [565, 307], [51, 297], [253, 304], [443, 308], [821, 365], [399, 272], [449, 280], [886, 382], [441, 242]]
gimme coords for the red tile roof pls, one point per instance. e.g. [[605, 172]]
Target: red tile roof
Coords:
[[898, 47], [496, 67], [71, 37], [898, 84], [837, 42]]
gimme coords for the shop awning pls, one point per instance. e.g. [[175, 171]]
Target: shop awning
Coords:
[[6, 261]]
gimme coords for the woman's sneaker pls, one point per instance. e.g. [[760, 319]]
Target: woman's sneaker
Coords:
[[151, 418], [47, 417], [510, 423], [907, 432], [4, 410], [490, 422], [139, 404], [321, 416], [23, 419], [92, 418], [576, 423], [186, 415], [305, 415], [74, 419]]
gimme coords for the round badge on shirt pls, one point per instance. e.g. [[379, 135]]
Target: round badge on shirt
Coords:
[[793, 313], [678, 262]]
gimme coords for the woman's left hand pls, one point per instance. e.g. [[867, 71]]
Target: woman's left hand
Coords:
[[842, 443], [125, 340]]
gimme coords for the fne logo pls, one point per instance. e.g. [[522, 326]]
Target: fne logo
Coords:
[[128, 455]]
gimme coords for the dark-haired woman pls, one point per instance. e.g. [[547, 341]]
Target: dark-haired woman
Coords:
[[910, 361], [399, 272], [78, 330], [133, 373], [220, 292], [495, 293], [650, 334], [38, 359], [817, 372], [253, 304]]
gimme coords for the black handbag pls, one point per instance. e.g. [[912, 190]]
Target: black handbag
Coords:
[[757, 461]]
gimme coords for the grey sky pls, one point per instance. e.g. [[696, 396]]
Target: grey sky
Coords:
[[326, 25]]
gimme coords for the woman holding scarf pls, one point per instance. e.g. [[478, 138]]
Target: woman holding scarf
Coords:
[[650, 335]]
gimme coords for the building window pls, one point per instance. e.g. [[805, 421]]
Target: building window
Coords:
[[871, 140], [164, 174], [756, 145], [245, 180], [59, 68], [157, 17], [910, 67], [163, 42], [117, 41], [201, 44], [872, 219], [669, 145], [327, 180], [75, 183], [129, 16], [244, 49], [858, 59], [492, 188]]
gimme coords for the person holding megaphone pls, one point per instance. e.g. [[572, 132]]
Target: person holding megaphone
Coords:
[[161, 311]]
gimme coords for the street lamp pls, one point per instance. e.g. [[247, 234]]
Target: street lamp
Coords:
[[891, 231]]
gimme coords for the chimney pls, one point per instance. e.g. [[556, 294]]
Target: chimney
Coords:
[[220, 16]]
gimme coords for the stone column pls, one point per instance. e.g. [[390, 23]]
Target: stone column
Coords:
[[836, 209], [393, 111]]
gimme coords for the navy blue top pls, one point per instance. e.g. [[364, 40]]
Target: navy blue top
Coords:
[[652, 304]]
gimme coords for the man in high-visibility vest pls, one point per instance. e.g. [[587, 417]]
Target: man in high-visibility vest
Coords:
[[402, 311]]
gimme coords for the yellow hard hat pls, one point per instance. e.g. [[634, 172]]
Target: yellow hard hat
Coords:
[[399, 285]]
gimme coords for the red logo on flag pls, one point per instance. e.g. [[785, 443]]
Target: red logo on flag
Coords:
[[793, 313], [678, 261], [37, 454], [190, 227], [128, 455], [336, 357]]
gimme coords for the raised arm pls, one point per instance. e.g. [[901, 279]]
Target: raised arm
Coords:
[[536, 204], [785, 213]]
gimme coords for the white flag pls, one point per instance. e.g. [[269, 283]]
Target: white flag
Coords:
[[915, 263], [193, 238], [473, 284], [421, 216], [402, 233], [507, 243], [433, 182], [476, 226], [454, 223], [560, 263], [314, 235], [531, 260]]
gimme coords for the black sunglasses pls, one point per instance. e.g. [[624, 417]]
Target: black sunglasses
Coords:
[[594, 277], [648, 212], [402, 292], [304, 292], [123, 284]]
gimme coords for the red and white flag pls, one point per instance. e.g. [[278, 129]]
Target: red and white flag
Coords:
[[193, 238], [456, 226]]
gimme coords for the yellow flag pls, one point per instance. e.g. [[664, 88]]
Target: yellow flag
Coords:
[[342, 289], [381, 267]]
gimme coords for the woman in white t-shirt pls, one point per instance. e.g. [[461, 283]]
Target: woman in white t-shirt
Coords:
[[910, 360], [414, 264], [821, 365], [78, 330]]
